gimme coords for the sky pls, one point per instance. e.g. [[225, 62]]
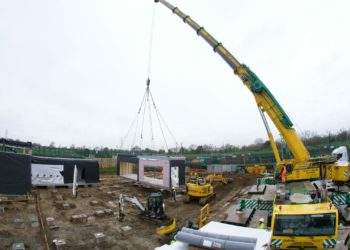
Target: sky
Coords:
[[74, 72]]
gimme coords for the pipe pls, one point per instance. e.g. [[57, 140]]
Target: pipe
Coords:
[[220, 236], [212, 243]]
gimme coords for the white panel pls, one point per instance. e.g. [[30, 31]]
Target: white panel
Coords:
[[43, 174], [174, 176]]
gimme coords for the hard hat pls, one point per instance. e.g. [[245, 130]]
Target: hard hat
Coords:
[[261, 220]]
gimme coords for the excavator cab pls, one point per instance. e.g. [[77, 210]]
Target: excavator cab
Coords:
[[155, 206]]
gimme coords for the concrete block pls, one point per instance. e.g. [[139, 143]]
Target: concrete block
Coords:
[[79, 218], [50, 221], [34, 221], [111, 204], [126, 230], [59, 244], [66, 206], [19, 223], [99, 237], [93, 203], [108, 211], [110, 194], [99, 213], [18, 246]]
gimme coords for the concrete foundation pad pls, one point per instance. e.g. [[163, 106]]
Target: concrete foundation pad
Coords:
[[59, 244], [99, 213], [19, 223], [108, 211], [126, 230], [78, 218], [99, 237], [257, 190], [94, 203], [18, 246], [34, 221], [50, 221]]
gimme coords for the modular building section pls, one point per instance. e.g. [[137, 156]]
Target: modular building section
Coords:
[[15, 176], [161, 171], [48, 171]]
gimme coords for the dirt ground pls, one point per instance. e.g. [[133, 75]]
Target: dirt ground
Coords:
[[80, 235]]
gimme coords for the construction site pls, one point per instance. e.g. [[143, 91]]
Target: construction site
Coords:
[[291, 191], [91, 220]]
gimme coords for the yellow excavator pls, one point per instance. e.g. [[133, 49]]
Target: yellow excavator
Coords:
[[303, 215], [197, 188]]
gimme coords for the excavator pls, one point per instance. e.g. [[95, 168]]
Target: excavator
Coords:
[[154, 208], [303, 215], [198, 188]]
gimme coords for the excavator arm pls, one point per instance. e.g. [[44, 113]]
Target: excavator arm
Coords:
[[263, 97]]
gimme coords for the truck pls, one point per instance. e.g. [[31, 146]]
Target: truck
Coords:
[[299, 201]]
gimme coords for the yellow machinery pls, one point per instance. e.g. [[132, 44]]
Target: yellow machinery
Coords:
[[302, 167], [303, 218], [166, 230], [198, 188], [203, 216], [256, 169], [316, 217], [211, 178]]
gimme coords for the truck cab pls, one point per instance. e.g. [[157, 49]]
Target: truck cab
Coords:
[[303, 217]]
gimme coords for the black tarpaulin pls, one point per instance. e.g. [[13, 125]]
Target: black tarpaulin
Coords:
[[15, 174], [89, 168]]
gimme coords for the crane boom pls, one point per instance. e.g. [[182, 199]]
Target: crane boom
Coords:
[[263, 97]]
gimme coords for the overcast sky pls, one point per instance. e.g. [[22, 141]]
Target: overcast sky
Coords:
[[74, 72]]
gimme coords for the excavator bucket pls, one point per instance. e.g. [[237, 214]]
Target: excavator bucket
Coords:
[[165, 230]]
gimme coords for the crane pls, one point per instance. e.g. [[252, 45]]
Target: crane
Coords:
[[303, 166], [303, 214]]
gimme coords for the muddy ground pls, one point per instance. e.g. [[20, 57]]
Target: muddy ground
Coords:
[[80, 235]]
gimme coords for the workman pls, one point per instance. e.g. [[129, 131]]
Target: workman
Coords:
[[261, 223], [173, 193], [284, 174]]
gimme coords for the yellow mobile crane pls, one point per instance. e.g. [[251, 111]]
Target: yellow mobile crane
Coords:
[[303, 166], [303, 215]]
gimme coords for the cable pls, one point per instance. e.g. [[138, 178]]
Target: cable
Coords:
[[151, 41], [143, 117], [158, 112], [151, 124]]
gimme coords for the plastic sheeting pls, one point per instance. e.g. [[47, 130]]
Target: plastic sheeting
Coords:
[[88, 170], [43, 174], [15, 174]]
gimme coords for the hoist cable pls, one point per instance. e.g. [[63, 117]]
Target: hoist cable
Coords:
[[143, 117], [150, 122], [151, 42], [158, 112], [132, 124]]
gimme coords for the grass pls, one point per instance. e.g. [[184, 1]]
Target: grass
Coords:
[[109, 170]]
